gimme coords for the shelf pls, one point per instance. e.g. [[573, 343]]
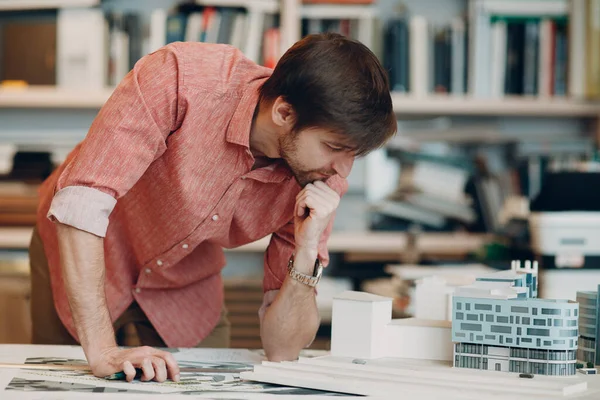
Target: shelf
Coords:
[[342, 242], [52, 97], [390, 243], [509, 106], [271, 6], [337, 11], [6, 5], [15, 238]]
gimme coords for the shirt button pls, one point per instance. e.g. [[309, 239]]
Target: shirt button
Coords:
[[148, 271], [185, 245], [215, 217], [243, 178], [138, 290], [159, 262]]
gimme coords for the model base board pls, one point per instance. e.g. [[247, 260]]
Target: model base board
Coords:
[[421, 378]]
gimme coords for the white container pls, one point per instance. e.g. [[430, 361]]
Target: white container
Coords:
[[565, 234]]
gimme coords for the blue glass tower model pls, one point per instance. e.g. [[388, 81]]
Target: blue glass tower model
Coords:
[[589, 327], [499, 324]]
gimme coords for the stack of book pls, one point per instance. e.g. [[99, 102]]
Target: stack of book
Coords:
[[430, 193], [18, 204]]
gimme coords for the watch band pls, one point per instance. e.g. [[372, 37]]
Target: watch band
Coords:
[[309, 280]]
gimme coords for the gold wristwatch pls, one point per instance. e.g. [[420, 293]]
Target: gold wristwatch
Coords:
[[309, 280]]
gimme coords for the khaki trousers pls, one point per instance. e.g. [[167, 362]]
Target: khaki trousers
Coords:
[[132, 328]]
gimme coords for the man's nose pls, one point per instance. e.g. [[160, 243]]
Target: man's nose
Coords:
[[343, 165]]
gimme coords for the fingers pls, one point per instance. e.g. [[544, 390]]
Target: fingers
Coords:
[[172, 367], [322, 190], [160, 369], [316, 205], [327, 191], [161, 365], [147, 370], [154, 364], [129, 371]]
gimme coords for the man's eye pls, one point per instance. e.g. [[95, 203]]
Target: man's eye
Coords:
[[334, 148]]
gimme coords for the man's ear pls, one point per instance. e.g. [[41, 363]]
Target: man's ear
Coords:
[[283, 114]]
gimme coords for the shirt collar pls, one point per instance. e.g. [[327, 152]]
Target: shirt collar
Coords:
[[239, 128]]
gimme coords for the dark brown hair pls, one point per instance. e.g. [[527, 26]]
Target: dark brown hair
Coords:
[[335, 83]]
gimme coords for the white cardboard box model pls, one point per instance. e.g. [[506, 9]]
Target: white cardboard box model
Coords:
[[362, 327], [433, 299]]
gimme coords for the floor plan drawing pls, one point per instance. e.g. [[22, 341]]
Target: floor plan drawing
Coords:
[[82, 381]]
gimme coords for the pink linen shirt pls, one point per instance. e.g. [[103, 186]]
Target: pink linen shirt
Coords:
[[165, 176]]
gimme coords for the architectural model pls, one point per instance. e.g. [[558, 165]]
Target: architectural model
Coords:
[[362, 327], [433, 298], [589, 328], [498, 324]]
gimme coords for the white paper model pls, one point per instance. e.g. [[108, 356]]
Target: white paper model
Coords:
[[362, 327], [433, 299]]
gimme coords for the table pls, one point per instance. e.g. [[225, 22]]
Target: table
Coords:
[[61, 385]]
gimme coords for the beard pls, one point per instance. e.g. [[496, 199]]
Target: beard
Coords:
[[289, 153]]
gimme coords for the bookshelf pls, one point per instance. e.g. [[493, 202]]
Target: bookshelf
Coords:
[[7, 5], [486, 114]]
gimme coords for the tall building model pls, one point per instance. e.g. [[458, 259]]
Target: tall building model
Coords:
[[589, 327], [498, 324]]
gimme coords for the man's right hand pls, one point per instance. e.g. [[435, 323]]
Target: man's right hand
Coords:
[[82, 261], [155, 364]]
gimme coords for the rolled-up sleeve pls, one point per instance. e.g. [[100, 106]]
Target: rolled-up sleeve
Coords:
[[128, 134], [282, 245]]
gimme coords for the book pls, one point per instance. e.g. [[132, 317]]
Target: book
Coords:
[[28, 51], [592, 60], [82, 48]]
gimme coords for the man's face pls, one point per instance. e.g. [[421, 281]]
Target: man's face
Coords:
[[315, 155]]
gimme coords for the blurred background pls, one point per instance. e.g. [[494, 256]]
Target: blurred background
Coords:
[[495, 158]]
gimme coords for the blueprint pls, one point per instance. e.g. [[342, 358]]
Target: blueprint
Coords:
[[203, 385]]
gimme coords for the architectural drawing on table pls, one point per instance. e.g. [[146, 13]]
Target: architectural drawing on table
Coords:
[[362, 327], [589, 327], [500, 325]]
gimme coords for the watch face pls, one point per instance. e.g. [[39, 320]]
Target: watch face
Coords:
[[319, 271]]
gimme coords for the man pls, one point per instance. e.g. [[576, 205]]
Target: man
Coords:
[[199, 149]]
